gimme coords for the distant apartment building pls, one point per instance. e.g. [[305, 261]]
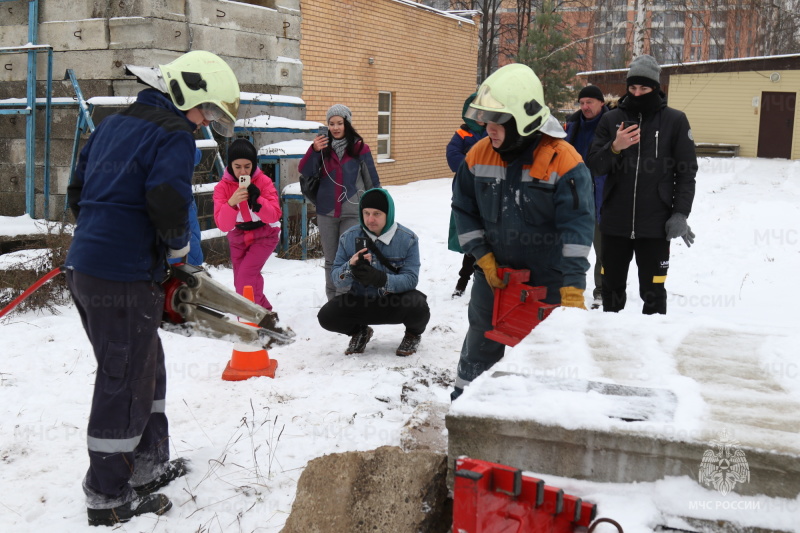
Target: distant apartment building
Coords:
[[674, 31]]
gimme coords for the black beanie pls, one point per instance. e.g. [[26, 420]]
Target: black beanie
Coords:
[[592, 91], [242, 149], [375, 199]]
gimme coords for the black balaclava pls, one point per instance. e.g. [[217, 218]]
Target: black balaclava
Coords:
[[513, 144]]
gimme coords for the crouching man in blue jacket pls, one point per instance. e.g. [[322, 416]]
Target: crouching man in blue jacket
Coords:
[[377, 263]]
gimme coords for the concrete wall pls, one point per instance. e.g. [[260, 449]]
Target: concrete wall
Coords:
[[720, 105], [426, 60], [96, 38]]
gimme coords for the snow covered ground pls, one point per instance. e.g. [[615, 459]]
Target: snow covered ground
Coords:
[[249, 441]]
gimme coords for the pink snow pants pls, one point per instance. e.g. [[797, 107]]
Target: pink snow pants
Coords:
[[249, 252]]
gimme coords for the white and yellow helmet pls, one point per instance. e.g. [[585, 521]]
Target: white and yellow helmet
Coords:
[[512, 91], [197, 79], [203, 79]]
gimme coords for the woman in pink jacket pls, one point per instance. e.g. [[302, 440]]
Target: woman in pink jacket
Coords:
[[250, 214]]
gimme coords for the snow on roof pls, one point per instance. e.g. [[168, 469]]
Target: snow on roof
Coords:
[[59, 100], [270, 98], [709, 62], [283, 59], [292, 188], [271, 121], [447, 14], [205, 143], [293, 147], [111, 100]]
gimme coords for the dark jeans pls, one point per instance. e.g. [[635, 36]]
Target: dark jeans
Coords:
[[652, 260], [346, 313], [128, 430]]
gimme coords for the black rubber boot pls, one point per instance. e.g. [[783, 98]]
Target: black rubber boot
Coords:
[[148, 503], [175, 469]]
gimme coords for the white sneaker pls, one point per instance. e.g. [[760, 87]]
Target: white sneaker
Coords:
[[597, 303]]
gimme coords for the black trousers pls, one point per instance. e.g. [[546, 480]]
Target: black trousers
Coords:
[[346, 313], [128, 429], [467, 268], [652, 260]]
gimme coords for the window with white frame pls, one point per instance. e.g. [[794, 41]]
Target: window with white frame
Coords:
[[384, 125]]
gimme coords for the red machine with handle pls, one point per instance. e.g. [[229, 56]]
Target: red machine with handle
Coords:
[[517, 308]]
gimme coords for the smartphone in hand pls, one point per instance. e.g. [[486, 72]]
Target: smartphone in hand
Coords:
[[361, 243], [323, 130], [628, 123], [244, 182]]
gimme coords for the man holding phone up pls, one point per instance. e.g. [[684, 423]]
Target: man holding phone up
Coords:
[[377, 263], [647, 151]]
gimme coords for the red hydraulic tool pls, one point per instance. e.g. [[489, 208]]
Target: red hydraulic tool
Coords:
[[195, 304], [517, 308], [493, 498]]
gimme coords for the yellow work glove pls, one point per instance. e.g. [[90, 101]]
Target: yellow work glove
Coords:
[[572, 297], [489, 266]]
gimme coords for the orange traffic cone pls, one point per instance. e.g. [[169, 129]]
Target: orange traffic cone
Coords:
[[247, 362], [247, 292]]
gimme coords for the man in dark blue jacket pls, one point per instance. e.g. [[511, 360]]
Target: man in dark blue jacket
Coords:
[[131, 196], [581, 126]]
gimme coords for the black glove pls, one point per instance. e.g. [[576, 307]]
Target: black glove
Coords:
[[253, 193], [368, 275]]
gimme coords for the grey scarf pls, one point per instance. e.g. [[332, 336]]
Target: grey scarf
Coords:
[[339, 146]]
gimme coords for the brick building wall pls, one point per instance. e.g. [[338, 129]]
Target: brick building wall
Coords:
[[353, 49]]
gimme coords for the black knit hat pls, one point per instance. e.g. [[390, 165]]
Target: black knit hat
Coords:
[[592, 91], [242, 149], [375, 199]]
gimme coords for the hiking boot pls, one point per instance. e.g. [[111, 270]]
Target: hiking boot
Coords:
[[458, 293], [358, 342], [148, 503], [597, 303], [408, 345], [175, 469]]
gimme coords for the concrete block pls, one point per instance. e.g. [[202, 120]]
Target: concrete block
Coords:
[[245, 17], [12, 204], [109, 64], [12, 175], [13, 36], [288, 6], [285, 73], [87, 64], [607, 456], [148, 32], [287, 47], [13, 14], [380, 490], [162, 9], [234, 43], [86, 34], [85, 9]]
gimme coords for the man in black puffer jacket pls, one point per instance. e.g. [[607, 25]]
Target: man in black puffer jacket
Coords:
[[648, 153]]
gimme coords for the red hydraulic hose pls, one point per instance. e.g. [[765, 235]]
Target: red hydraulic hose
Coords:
[[30, 290]]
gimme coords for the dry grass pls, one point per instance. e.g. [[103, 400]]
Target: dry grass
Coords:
[[47, 251]]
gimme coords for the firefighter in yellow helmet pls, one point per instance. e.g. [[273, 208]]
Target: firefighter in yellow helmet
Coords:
[[522, 199], [130, 195]]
